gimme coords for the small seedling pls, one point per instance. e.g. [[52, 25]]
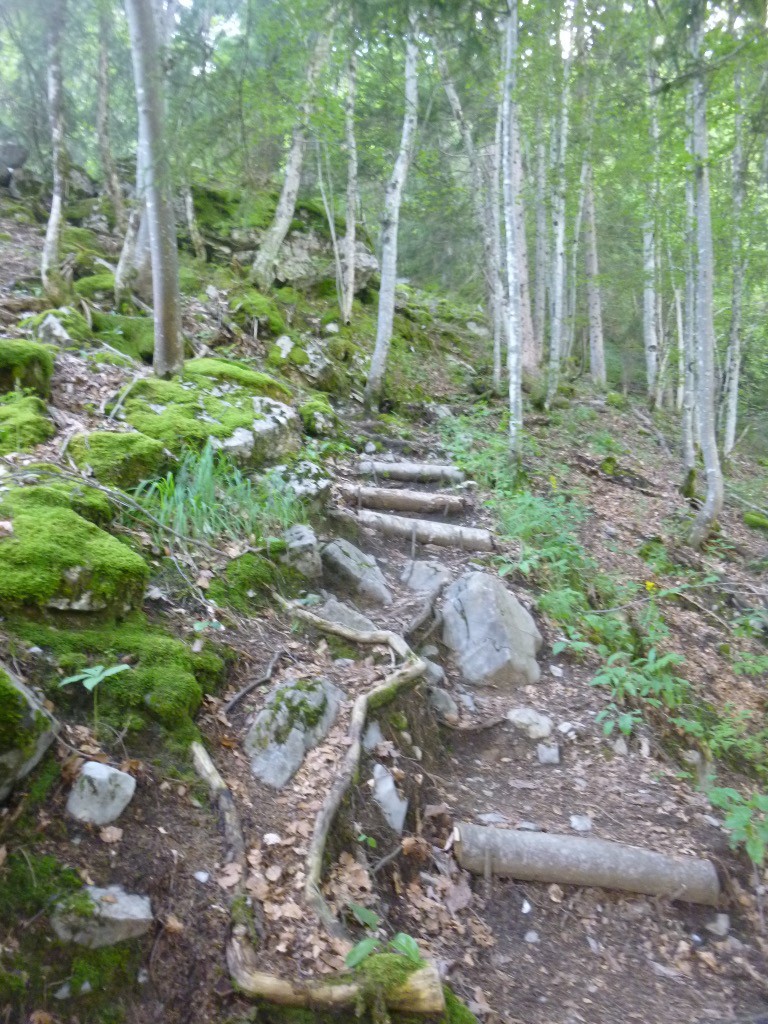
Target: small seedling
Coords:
[[367, 840], [91, 677]]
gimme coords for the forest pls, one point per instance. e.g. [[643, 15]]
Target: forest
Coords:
[[383, 511]]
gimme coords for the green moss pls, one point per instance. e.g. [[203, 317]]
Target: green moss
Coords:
[[54, 554], [318, 416], [122, 459], [455, 1011], [190, 280], [95, 284], [246, 583], [62, 493], [86, 248], [253, 380], [616, 400], [30, 883], [247, 304], [756, 520], [13, 713], [107, 358], [133, 335], [105, 968], [398, 721], [74, 323], [167, 679], [23, 423], [25, 364], [288, 296]]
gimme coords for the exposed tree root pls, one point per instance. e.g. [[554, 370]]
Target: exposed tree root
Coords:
[[397, 500], [260, 681], [401, 679]]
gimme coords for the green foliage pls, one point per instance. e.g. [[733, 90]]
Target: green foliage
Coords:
[[756, 520], [30, 883], [645, 680], [747, 820], [91, 677], [23, 423], [25, 364]]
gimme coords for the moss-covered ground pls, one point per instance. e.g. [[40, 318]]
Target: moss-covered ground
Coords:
[[123, 459], [23, 422]]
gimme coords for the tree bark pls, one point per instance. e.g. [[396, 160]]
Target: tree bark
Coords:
[[111, 180], [350, 138], [542, 259], [389, 225], [705, 333], [733, 358], [194, 231], [650, 337], [690, 413], [529, 351], [558, 256], [50, 270], [493, 215], [514, 351], [149, 80], [569, 319], [266, 257], [594, 305]]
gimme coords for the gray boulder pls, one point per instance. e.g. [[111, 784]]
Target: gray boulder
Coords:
[[302, 551], [493, 637], [344, 615], [26, 731], [100, 793], [306, 259], [426, 577], [114, 916], [297, 716], [358, 570], [273, 434]]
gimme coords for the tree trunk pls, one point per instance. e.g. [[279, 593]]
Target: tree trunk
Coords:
[[594, 305], [50, 270], [705, 334], [569, 319], [350, 241], [650, 336], [680, 390], [733, 358], [558, 256], [149, 79], [493, 215], [530, 360], [111, 180], [514, 352], [266, 258], [690, 414], [540, 283], [194, 231], [389, 224]]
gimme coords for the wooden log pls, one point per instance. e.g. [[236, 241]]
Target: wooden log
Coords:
[[424, 472], [421, 992], [467, 538], [572, 860], [392, 499]]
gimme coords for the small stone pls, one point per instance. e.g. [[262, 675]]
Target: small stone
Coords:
[[372, 736], [620, 746], [201, 876], [492, 818], [720, 926], [528, 826], [426, 577], [532, 937], [568, 729], [535, 725], [468, 701], [100, 793], [581, 822], [370, 448], [115, 916], [35, 651], [429, 651], [392, 805], [434, 674], [556, 671], [443, 704], [548, 753], [332, 328]]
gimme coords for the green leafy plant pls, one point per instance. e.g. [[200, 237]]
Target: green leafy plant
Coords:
[[91, 678], [623, 719], [402, 943], [366, 840], [747, 820]]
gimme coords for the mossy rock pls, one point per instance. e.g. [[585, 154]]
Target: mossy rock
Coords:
[[95, 285], [166, 682], [247, 305], [254, 381], [73, 322], [132, 335], [756, 521], [123, 459], [285, 356], [318, 417], [23, 423], [25, 364], [57, 491], [56, 559], [26, 732], [86, 248], [248, 581]]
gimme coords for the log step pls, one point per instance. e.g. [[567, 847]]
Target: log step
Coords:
[[396, 500], [424, 472], [466, 538]]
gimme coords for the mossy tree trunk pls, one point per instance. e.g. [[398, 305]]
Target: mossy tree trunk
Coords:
[[50, 270], [148, 76], [390, 222]]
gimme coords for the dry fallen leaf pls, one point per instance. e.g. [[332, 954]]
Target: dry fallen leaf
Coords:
[[41, 1017], [230, 875], [3, 855], [555, 893], [111, 834], [273, 872], [173, 925]]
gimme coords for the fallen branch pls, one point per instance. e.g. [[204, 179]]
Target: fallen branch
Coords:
[[547, 857], [402, 501], [397, 682], [228, 813], [466, 538], [420, 992], [264, 678], [424, 472]]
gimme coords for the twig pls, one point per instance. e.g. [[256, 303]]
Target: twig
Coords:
[[119, 403], [392, 855], [264, 678]]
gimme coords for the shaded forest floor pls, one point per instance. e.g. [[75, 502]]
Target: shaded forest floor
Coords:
[[516, 953]]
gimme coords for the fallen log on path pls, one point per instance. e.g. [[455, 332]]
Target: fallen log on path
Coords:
[[466, 538], [571, 860], [420, 992], [396, 500], [424, 472]]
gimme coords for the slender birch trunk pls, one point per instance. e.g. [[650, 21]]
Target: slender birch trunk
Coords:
[[680, 390], [705, 340], [650, 335], [541, 258], [350, 241], [266, 258], [594, 304], [149, 80], [558, 256], [530, 361], [111, 180], [514, 348], [569, 319], [49, 270], [390, 221], [733, 359], [690, 415], [194, 231], [494, 228]]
